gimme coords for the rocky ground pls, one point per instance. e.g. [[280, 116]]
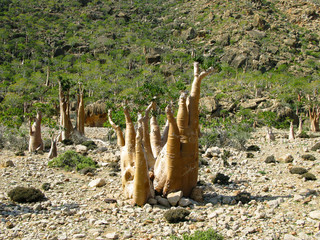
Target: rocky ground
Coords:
[[277, 204]]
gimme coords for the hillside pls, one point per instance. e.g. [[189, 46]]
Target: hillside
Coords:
[[117, 48]]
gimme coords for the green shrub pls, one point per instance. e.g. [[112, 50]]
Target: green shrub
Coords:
[[201, 235], [71, 160], [25, 194], [90, 145]]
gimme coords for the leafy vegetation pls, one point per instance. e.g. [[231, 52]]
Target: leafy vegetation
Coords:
[[70, 160], [107, 45], [201, 235]]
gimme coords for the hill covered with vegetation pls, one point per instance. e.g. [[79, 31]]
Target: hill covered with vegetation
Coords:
[[135, 50]]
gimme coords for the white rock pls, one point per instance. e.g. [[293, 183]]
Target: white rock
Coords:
[[300, 222], [315, 214], [112, 235], [298, 198], [174, 197], [99, 182], [63, 236], [79, 235], [290, 237], [273, 203], [81, 149], [212, 215]]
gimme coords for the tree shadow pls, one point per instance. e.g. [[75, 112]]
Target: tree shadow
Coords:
[[14, 209], [211, 195]]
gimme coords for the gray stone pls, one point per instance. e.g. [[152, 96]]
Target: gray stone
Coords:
[[8, 163], [163, 201], [270, 159], [288, 158], [152, 201], [315, 147], [189, 34], [197, 194], [184, 202]]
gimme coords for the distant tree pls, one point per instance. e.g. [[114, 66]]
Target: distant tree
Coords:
[[35, 142], [65, 121]]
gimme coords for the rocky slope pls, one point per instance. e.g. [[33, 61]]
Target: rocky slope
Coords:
[[275, 203]]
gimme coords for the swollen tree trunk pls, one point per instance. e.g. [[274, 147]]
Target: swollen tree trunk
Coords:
[[128, 152], [291, 132], [53, 149], [300, 126], [80, 113], [270, 136], [35, 142], [314, 115], [188, 125], [142, 188], [65, 121]]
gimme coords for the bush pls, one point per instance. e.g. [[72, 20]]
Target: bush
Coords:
[[71, 160], [201, 235], [90, 145], [25, 195], [176, 215]]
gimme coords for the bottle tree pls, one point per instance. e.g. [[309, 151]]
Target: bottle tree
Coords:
[[176, 160]]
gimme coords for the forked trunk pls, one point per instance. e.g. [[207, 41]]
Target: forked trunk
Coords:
[[53, 149], [65, 121]]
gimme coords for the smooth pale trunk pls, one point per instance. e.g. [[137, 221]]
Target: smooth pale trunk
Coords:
[[155, 137], [291, 132], [53, 149], [141, 185], [120, 138], [35, 142], [130, 136], [81, 115], [146, 138]]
